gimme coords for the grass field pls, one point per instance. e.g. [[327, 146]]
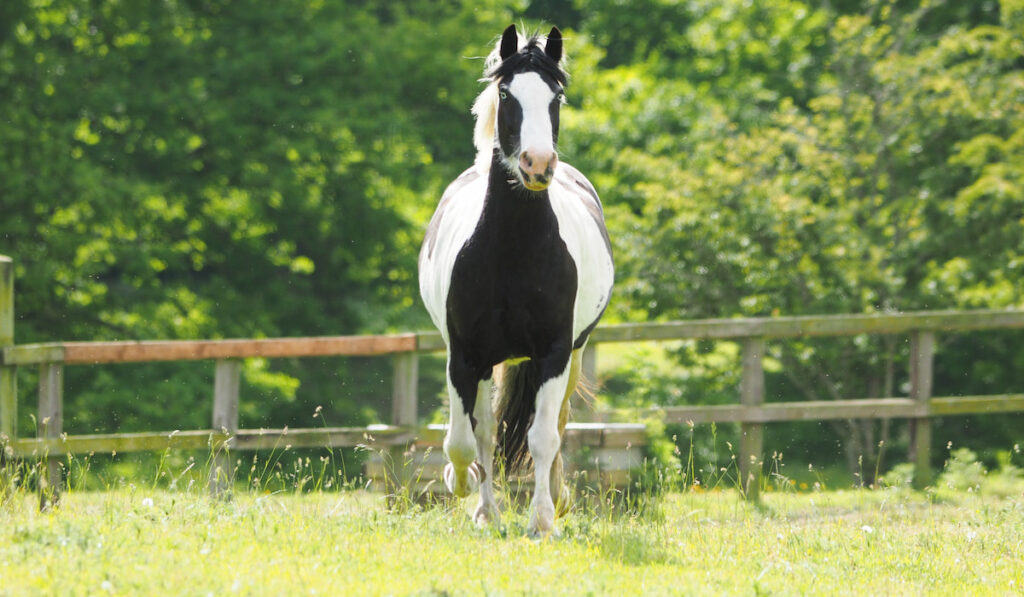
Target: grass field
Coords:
[[133, 540]]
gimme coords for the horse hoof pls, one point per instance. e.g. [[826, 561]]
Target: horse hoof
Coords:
[[485, 515], [460, 485], [542, 523]]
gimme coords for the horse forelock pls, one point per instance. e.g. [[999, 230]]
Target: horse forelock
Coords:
[[530, 57]]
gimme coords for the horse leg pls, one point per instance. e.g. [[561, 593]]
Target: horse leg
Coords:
[[459, 441], [544, 441], [486, 509]]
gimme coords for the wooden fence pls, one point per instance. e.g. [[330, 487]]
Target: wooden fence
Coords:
[[750, 411]]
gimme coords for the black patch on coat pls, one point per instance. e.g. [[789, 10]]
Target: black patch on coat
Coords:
[[513, 290]]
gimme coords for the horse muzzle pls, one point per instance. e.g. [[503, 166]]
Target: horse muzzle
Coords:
[[537, 169]]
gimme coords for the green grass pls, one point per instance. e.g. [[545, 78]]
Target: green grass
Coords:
[[140, 540]]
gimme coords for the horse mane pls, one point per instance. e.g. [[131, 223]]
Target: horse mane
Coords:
[[485, 107]]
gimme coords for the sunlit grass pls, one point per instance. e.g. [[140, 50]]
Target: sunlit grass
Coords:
[[147, 538]]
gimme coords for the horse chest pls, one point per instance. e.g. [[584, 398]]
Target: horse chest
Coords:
[[513, 286]]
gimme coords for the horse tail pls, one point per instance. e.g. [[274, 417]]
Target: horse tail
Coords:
[[516, 403]]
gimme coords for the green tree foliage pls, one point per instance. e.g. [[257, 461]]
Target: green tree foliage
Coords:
[[196, 168], [871, 165], [224, 169]]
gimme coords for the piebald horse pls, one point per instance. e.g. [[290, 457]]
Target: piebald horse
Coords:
[[515, 270]]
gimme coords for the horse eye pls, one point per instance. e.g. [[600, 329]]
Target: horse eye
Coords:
[[502, 95]]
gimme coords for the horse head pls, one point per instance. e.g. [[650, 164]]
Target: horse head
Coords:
[[518, 113]]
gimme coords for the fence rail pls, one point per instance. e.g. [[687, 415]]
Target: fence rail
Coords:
[[750, 411]]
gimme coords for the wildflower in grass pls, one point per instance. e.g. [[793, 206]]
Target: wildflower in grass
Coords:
[[147, 502], [867, 529]]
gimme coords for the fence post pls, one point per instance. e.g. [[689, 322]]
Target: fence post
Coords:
[[922, 352], [752, 434], [226, 379], [586, 386], [404, 391], [51, 426], [588, 368], [404, 394], [8, 379]]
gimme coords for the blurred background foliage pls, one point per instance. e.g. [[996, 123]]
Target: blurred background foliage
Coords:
[[216, 168]]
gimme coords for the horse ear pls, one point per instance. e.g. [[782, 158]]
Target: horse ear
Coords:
[[554, 46], [509, 42]]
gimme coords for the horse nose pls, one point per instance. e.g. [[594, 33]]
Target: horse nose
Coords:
[[537, 168]]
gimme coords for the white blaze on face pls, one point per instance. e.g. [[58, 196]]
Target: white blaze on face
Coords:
[[534, 97], [537, 154]]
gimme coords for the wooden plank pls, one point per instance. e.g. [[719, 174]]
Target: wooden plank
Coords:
[[820, 410], [428, 465], [204, 439], [922, 353], [673, 330], [88, 353], [33, 354], [606, 459], [116, 443], [802, 326], [591, 433], [980, 405], [432, 435], [605, 435], [179, 350], [893, 323], [724, 413], [870, 408], [429, 341], [863, 408], [577, 435], [372, 437]]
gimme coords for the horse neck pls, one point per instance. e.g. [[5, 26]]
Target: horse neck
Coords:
[[507, 203]]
